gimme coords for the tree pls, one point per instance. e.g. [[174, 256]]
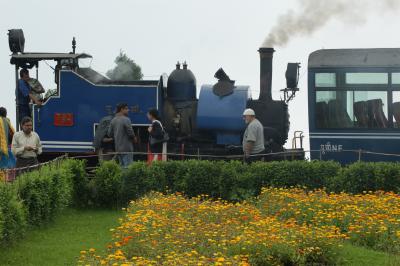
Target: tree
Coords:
[[125, 70]]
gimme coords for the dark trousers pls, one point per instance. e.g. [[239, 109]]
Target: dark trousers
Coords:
[[23, 111], [255, 157], [26, 162], [156, 148]]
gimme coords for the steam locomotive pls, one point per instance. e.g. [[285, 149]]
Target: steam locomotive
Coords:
[[209, 124]]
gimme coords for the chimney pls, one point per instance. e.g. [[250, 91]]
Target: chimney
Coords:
[[266, 55]]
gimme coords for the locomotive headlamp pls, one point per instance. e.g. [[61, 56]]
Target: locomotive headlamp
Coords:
[[292, 75], [16, 40]]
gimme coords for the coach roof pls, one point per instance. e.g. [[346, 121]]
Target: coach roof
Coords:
[[376, 57]]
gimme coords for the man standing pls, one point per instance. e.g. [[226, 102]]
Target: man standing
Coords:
[[26, 145], [253, 138], [25, 95], [122, 133]]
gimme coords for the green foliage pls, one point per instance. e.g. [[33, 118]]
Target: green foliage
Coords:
[[316, 174], [140, 179], [360, 177], [12, 215], [125, 70], [202, 178], [44, 192], [80, 181], [236, 181], [107, 184]]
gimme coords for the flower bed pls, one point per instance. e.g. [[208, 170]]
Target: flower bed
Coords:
[[174, 230], [371, 219]]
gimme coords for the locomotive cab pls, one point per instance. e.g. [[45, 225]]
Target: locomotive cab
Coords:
[[67, 119]]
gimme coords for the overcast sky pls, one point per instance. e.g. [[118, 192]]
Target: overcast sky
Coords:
[[157, 33]]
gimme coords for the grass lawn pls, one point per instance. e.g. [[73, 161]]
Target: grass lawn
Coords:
[[60, 242], [358, 256]]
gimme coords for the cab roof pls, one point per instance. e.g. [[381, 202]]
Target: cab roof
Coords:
[[32, 58]]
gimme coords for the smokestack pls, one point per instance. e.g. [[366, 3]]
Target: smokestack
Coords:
[[266, 56]]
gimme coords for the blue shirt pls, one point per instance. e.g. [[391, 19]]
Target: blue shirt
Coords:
[[23, 92]]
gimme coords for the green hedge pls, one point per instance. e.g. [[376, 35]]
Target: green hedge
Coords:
[[36, 197], [80, 182], [361, 177], [13, 216], [237, 181], [45, 192], [107, 184]]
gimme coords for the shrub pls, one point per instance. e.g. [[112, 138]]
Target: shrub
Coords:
[[107, 184], [174, 172], [363, 176], [315, 174], [232, 181], [12, 215], [44, 192], [80, 181], [202, 177], [133, 181]]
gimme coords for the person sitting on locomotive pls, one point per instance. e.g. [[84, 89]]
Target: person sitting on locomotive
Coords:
[[25, 95], [253, 138]]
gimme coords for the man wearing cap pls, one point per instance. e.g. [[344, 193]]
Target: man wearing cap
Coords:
[[253, 138]]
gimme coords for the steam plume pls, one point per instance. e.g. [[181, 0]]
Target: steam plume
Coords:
[[315, 14]]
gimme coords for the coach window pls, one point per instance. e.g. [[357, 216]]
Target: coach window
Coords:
[[396, 100], [351, 109], [371, 109], [396, 109], [334, 109], [367, 78], [325, 80], [396, 78]]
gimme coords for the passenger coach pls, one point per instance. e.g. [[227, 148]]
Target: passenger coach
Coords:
[[354, 104]]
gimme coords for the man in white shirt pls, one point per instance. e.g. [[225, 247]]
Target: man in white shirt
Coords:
[[253, 138], [26, 145]]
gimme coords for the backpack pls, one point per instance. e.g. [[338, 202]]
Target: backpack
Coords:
[[101, 131]]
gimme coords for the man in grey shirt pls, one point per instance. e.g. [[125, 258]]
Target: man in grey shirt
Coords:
[[122, 133], [253, 138]]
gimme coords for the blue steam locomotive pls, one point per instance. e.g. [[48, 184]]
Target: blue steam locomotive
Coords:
[[209, 124]]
